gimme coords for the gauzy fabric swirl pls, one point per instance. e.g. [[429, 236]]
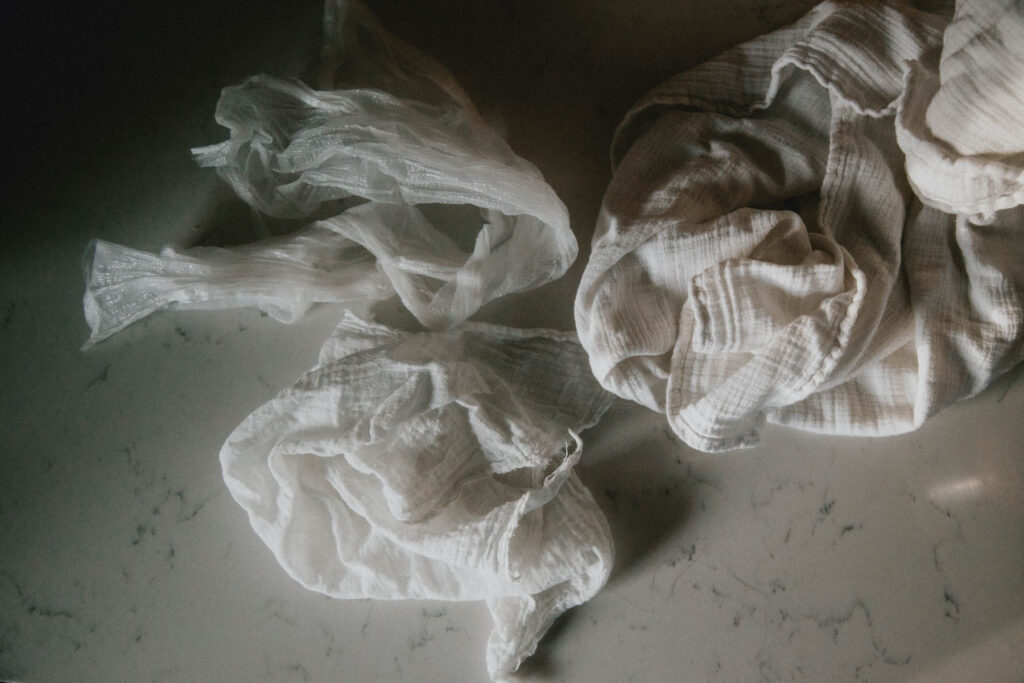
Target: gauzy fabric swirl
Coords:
[[820, 228], [394, 130], [433, 465]]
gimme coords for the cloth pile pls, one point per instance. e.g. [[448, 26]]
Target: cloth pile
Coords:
[[362, 162], [818, 228], [431, 465]]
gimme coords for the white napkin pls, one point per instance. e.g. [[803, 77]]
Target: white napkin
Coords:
[[761, 255], [434, 465], [396, 130]]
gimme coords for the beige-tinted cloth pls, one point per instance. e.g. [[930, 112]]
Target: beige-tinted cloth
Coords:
[[819, 228]]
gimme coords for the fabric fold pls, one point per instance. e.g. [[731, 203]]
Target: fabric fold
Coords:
[[452, 215], [763, 255], [281, 276], [433, 465]]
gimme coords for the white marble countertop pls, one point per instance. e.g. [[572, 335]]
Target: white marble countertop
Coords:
[[124, 558]]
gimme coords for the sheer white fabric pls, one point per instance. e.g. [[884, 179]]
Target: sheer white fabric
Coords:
[[395, 130], [434, 465]]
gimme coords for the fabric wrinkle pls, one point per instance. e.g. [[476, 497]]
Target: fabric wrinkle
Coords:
[[819, 228], [369, 152], [841, 338]]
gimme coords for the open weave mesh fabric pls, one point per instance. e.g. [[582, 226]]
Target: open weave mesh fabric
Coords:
[[359, 161]]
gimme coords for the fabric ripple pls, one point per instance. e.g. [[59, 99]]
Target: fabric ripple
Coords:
[[362, 161], [433, 465], [787, 237]]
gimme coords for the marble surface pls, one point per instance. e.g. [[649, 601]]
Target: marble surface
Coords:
[[123, 558]]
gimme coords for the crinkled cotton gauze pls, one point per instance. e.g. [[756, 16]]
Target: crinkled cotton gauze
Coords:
[[787, 237], [819, 228], [396, 133], [403, 465]]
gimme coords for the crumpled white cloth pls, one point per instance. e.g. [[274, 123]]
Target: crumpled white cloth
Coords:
[[819, 228], [433, 465], [394, 129]]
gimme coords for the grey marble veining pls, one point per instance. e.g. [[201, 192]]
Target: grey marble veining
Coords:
[[122, 556]]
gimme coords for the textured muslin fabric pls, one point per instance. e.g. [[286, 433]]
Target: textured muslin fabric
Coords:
[[980, 107], [819, 228], [433, 465], [393, 129]]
